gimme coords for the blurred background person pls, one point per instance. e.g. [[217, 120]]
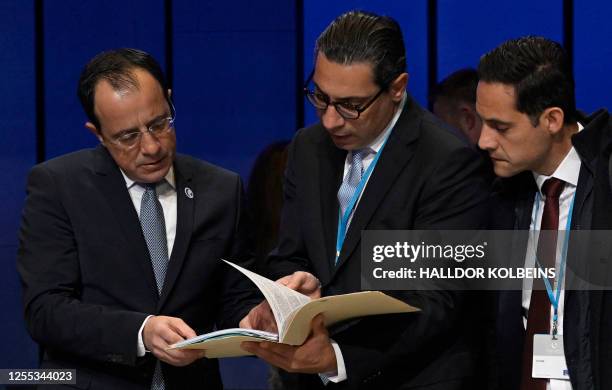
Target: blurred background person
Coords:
[[265, 194], [454, 99]]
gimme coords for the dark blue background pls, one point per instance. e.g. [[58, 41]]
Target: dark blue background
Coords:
[[236, 68]]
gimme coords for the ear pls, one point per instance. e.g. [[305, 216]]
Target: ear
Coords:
[[552, 119], [94, 130], [398, 86], [169, 92], [466, 116], [473, 120], [470, 121]]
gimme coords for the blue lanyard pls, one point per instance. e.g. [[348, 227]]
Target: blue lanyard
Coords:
[[554, 298], [344, 218]]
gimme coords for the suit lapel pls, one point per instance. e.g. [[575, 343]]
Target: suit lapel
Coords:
[[522, 189], [112, 185], [593, 179], [184, 226], [331, 167], [582, 215], [396, 154], [524, 210]]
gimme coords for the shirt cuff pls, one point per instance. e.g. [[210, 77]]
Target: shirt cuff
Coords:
[[340, 374], [140, 347]]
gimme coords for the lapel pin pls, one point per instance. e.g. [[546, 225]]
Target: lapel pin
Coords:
[[188, 192]]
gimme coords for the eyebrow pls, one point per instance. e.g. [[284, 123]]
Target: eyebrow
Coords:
[[149, 123], [157, 118], [493, 121], [342, 99], [498, 122]]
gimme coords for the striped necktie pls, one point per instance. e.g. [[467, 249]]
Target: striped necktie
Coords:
[[352, 179]]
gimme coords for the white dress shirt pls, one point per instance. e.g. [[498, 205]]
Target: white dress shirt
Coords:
[[340, 375], [166, 193], [567, 171]]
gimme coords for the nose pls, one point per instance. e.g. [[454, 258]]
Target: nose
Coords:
[[330, 119], [487, 140], [149, 145]]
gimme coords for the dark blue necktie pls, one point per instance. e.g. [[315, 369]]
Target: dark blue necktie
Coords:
[[154, 231]]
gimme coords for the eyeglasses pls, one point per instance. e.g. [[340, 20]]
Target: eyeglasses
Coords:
[[131, 138], [345, 109]]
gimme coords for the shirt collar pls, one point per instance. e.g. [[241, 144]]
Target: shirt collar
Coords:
[[169, 178], [568, 170], [378, 142]]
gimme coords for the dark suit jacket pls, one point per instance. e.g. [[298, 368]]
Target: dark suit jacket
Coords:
[[426, 178], [587, 314], [87, 278]]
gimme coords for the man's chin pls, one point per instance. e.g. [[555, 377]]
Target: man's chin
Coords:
[[346, 143], [504, 170], [152, 173]]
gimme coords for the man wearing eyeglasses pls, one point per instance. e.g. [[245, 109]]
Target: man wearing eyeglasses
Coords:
[[375, 161], [120, 245]]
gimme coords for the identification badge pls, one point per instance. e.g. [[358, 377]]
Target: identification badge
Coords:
[[548, 357]]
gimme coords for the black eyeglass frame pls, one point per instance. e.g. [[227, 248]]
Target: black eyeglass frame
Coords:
[[358, 110]]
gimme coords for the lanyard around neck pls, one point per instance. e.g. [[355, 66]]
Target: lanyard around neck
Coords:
[[343, 218], [554, 297]]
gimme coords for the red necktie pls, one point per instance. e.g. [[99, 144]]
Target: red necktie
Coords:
[[538, 318]]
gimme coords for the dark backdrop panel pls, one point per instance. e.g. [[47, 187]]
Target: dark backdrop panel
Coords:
[[234, 78], [17, 111], [235, 84], [244, 373], [467, 29], [18, 133], [412, 17], [17, 350], [75, 31], [235, 93], [593, 54]]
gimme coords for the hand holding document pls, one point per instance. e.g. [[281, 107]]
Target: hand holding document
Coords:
[[293, 313]]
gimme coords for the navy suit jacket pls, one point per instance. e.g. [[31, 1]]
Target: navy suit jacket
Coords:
[[87, 278], [587, 314], [426, 178]]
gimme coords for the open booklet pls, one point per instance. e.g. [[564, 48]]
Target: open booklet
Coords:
[[293, 313]]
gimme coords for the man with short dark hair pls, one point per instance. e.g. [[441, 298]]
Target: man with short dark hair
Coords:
[[554, 165], [453, 100], [120, 245], [376, 160]]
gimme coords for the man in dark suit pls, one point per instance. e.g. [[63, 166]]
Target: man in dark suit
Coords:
[[120, 245], [538, 142], [424, 178]]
